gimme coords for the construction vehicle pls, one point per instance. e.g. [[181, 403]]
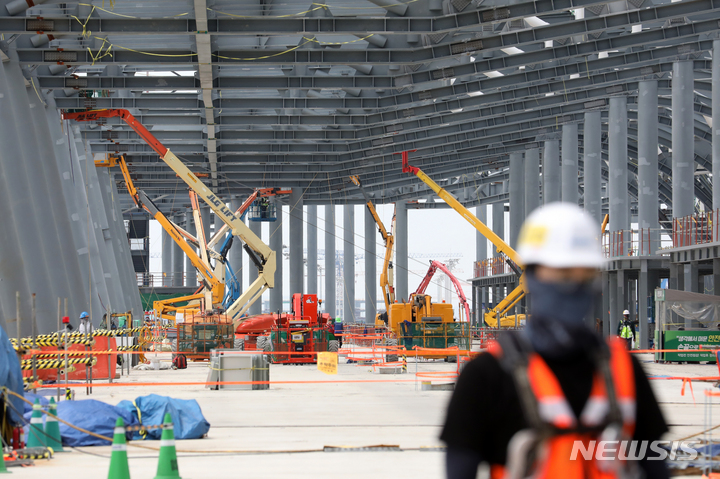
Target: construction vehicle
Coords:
[[386, 274], [495, 317], [437, 265], [259, 252]]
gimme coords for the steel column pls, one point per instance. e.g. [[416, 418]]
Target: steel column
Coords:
[[498, 223], [371, 277], [592, 160], [401, 252], [683, 128], [276, 244], [257, 306], [517, 200], [235, 255], [532, 180], [480, 255], [618, 171], [295, 241], [330, 259], [644, 290], [190, 271], [178, 256], [349, 264], [616, 305], [167, 243], [570, 163], [715, 130], [648, 164], [551, 172], [312, 250]]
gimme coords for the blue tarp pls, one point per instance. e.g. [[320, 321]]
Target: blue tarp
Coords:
[[11, 376], [187, 417]]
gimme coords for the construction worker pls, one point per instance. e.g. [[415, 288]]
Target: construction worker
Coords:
[[85, 324], [522, 407], [339, 330], [626, 330]]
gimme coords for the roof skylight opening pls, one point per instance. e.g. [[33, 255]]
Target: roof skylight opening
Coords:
[[552, 93], [548, 43], [574, 75], [708, 120], [475, 93], [472, 59], [535, 22], [453, 80], [512, 50], [493, 74], [173, 73], [456, 110], [603, 55], [636, 28]]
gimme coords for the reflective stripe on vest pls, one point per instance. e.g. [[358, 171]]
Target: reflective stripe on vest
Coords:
[[554, 454]]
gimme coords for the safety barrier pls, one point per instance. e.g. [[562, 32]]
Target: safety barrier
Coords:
[[493, 266], [159, 280], [641, 242], [696, 229]]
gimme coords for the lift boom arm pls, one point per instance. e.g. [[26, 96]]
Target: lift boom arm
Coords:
[[259, 252], [437, 265]]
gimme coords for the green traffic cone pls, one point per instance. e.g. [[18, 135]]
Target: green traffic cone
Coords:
[[167, 463], [36, 435], [119, 468], [52, 429], [3, 469]]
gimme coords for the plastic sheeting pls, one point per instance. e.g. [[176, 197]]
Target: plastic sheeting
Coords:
[[187, 417], [678, 309], [11, 377]]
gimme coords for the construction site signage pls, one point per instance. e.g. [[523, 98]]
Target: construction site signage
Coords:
[[327, 362], [686, 342]]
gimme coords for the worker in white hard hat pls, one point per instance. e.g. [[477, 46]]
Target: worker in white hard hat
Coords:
[[626, 329], [524, 405]]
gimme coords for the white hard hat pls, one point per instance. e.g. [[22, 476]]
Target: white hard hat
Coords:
[[626, 312], [560, 235]]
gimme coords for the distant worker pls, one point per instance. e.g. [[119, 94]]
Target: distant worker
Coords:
[[264, 207], [85, 324], [339, 331], [542, 391], [626, 329]]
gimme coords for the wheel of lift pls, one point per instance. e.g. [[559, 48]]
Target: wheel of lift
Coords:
[[239, 343], [333, 345]]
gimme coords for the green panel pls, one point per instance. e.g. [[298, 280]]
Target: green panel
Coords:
[[688, 341]]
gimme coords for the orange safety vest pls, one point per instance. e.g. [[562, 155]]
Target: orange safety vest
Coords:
[[554, 453]]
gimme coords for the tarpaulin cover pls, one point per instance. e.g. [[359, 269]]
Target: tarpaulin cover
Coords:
[[187, 417], [91, 415], [11, 377]]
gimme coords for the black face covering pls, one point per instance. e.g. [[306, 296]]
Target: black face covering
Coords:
[[556, 327]]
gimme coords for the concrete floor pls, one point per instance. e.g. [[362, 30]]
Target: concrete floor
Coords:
[[253, 433]]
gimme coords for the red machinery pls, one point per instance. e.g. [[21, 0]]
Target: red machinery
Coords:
[[304, 331], [434, 266]]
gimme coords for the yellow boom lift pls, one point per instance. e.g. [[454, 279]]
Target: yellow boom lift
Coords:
[[497, 315]]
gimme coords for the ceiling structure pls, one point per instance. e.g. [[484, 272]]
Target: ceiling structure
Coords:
[[265, 93]]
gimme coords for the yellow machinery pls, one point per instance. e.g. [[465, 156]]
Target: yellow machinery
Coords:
[[420, 308], [495, 315]]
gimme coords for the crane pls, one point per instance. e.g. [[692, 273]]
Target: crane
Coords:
[[437, 265], [494, 316], [386, 275], [260, 253]]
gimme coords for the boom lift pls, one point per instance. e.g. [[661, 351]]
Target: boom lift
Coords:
[[437, 265], [386, 275], [259, 252], [495, 316]]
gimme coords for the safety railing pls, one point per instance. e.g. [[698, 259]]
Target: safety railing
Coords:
[[696, 229], [159, 280], [492, 267], [642, 242]]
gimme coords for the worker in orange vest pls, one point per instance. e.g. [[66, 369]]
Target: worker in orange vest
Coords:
[[555, 386]]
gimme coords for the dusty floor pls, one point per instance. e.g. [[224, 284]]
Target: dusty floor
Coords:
[[254, 433]]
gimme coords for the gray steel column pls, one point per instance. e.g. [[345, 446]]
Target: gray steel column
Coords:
[[371, 277], [178, 257], [167, 243], [312, 250], [276, 244], [648, 164], [690, 274], [295, 242], [205, 212], [716, 276], [498, 222], [716, 114], [592, 160], [190, 271], [683, 146], [570, 163], [517, 200], [618, 171], [644, 290], [605, 304], [330, 266], [349, 264], [551, 172], [480, 254], [86, 243], [616, 305], [256, 307], [401, 252], [532, 180], [235, 255]]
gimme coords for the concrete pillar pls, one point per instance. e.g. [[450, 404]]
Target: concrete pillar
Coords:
[[716, 114], [295, 242], [615, 302], [551, 172], [401, 252], [312, 250], [716, 276], [517, 197], [178, 257], [235, 255], [257, 306], [605, 303], [498, 223], [167, 243], [371, 276], [349, 264], [190, 271], [683, 146], [618, 171], [645, 289], [569, 168], [330, 266], [276, 243], [648, 165], [532, 180], [480, 254], [691, 280], [592, 160]]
